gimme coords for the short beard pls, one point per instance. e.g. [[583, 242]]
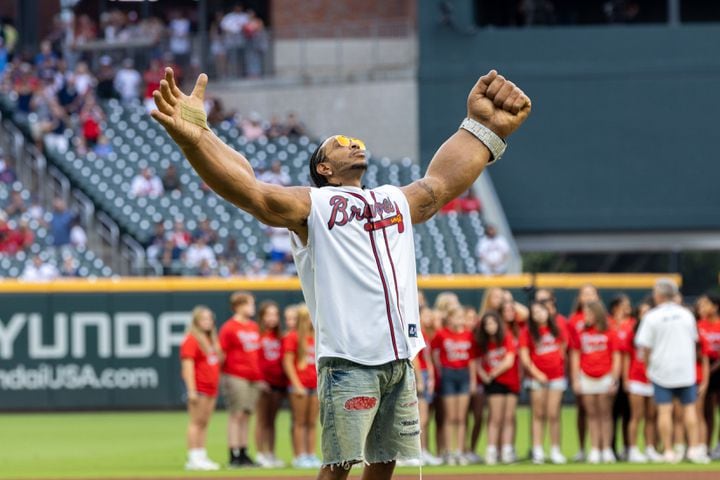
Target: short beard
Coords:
[[359, 166]]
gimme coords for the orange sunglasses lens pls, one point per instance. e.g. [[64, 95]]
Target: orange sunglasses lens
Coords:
[[346, 141]]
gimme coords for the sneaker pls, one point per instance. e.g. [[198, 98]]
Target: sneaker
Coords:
[[538, 456], [246, 461], [449, 459], [264, 460], [473, 458], [579, 457], [715, 452], [670, 457], [636, 456], [608, 456], [461, 459], [697, 455], [680, 451], [301, 461], [273, 461], [508, 455], [314, 461], [201, 464], [491, 456], [557, 457], [594, 457], [653, 455], [430, 459]]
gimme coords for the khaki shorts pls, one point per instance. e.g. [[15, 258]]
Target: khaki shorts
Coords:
[[240, 394]]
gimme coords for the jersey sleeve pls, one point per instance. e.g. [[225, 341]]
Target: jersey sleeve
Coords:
[[436, 341], [224, 337], [644, 336], [189, 348]]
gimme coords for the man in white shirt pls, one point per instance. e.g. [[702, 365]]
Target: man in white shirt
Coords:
[[127, 82], [146, 184], [667, 336], [39, 271], [355, 255], [493, 252], [198, 252]]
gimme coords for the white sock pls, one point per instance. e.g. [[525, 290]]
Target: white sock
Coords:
[[507, 448], [196, 454], [555, 448], [538, 450]]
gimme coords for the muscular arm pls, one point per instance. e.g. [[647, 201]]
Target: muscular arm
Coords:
[[230, 175], [227, 172], [496, 103]]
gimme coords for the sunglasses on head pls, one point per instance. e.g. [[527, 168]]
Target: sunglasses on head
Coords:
[[347, 141]]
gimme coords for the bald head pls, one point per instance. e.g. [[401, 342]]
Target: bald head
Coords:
[[665, 290]]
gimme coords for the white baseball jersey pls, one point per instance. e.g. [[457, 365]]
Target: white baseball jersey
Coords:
[[358, 274]]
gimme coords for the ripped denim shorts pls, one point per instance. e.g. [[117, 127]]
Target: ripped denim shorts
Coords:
[[367, 413]]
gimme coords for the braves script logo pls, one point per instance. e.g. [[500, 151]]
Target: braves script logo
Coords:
[[342, 214]]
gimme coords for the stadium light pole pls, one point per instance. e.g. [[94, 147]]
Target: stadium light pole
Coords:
[[673, 8]]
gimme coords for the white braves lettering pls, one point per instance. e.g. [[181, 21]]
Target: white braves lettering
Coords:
[[250, 340], [457, 350], [713, 339], [547, 344], [212, 359], [594, 342], [495, 356], [271, 349]]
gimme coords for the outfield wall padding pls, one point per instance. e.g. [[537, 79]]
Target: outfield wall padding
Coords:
[[113, 344]]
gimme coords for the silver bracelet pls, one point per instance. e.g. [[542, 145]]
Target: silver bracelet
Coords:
[[490, 139]]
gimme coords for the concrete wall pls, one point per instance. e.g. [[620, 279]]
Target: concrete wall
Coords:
[[383, 113], [341, 57]]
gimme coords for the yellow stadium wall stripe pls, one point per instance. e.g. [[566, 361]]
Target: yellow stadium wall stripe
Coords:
[[432, 282]]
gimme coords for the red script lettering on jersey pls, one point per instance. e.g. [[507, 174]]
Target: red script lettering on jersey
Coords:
[[342, 214]]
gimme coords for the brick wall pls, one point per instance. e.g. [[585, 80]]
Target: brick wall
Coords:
[[347, 18]]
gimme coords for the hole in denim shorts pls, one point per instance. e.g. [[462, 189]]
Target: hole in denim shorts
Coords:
[[407, 423], [413, 433], [409, 404]]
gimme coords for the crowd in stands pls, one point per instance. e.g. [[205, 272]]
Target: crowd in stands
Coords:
[[477, 363], [60, 100]]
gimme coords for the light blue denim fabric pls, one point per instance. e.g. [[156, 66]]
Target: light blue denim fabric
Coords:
[[368, 413]]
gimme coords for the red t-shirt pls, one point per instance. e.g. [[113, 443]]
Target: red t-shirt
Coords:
[[637, 371], [270, 360], [711, 332], [454, 347], [705, 351], [422, 360], [494, 355], [562, 323], [207, 366], [307, 375], [596, 349], [548, 353], [241, 343]]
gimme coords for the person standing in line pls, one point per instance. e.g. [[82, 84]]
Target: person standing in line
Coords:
[[667, 337], [241, 380], [200, 359], [709, 328], [495, 354], [542, 352], [299, 364], [271, 398], [586, 294], [640, 394], [355, 255], [452, 352], [595, 367]]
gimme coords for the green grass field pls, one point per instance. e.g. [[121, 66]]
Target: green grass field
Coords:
[[152, 444]]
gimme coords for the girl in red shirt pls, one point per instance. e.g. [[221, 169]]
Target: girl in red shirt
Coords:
[[273, 375], [426, 382], [495, 357], [595, 366], [542, 351], [452, 347], [621, 321], [587, 293], [640, 393], [708, 309], [299, 365], [200, 357]]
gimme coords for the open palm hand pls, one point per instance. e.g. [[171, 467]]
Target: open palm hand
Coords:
[[182, 116]]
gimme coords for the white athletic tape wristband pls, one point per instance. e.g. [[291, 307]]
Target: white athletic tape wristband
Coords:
[[494, 143]]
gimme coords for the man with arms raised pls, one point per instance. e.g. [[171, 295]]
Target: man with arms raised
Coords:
[[356, 259]]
